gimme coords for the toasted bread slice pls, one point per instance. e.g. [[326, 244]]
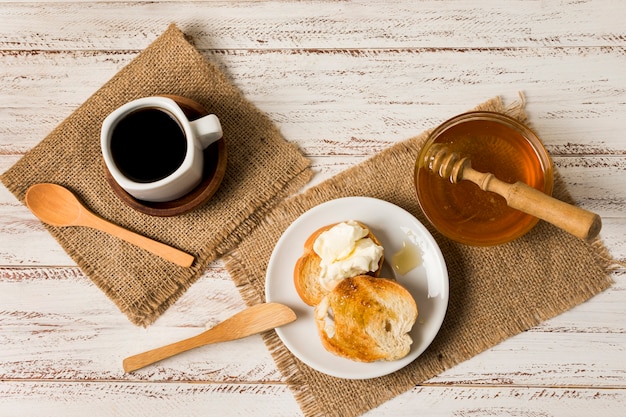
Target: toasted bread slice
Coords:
[[307, 269], [367, 319]]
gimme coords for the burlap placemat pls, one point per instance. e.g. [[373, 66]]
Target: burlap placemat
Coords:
[[262, 170], [495, 292]]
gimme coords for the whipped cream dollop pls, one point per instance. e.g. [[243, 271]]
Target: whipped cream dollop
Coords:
[[345, 252]]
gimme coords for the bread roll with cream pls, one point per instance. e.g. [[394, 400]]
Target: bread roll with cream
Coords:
[[367, 319], [335, 252]]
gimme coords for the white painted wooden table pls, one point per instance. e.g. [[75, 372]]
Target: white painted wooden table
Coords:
[[343, 80]]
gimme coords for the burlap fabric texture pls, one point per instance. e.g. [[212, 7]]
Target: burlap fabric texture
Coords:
[[495, 292], [262, 169]]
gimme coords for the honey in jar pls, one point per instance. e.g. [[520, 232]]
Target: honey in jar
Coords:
[[494, 143]]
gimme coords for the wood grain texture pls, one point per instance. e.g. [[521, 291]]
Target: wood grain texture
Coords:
[[121, 400], [319, 24], [335, 98], [342, 80]]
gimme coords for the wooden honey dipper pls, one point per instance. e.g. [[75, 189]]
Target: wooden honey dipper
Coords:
[[580, 223]]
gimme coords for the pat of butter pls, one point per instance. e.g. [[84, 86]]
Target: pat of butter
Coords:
[[345, 252], [407, 258]]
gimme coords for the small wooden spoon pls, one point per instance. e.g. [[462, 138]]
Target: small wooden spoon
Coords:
[[57, 206], [255, 319]]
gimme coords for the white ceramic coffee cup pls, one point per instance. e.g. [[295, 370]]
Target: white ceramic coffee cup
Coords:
[[199, 134]]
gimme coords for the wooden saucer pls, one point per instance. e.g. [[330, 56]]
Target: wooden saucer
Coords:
[[212, 176]]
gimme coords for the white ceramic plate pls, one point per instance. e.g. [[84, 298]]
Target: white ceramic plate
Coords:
[[428, 283]]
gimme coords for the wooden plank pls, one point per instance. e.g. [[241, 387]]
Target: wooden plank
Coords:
[[594, 182], [344, 103], [120, 399], [131, 399], [55, 324], [321, 24], [504, 401]]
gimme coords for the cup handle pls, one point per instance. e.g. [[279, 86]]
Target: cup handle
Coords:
[[207, 129]]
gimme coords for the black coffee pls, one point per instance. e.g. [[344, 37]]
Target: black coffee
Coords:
[[148, 145]]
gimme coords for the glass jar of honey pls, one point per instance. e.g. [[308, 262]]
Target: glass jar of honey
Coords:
[[494, 143]]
